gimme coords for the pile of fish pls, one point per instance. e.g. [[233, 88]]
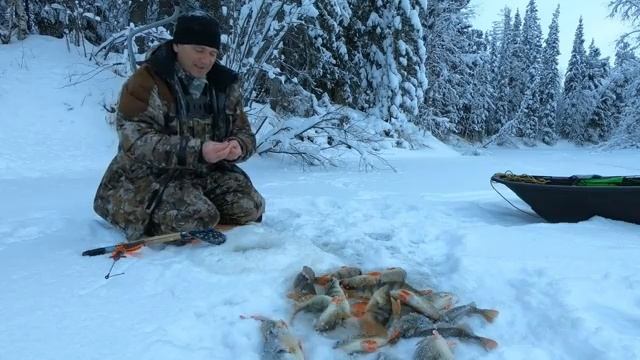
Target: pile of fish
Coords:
[[382, 308]]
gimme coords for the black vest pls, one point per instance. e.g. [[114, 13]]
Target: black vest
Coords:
[[205, 117]]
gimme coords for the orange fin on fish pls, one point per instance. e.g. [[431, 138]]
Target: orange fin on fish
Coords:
[[489, 344], [369, 346], [489, 314]]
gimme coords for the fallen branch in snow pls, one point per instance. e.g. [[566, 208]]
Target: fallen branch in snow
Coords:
[[306, 157], [320, 140], [89, 74]]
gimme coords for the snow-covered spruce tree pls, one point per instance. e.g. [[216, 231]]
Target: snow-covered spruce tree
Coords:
[[516, 68], [356, 51], [388, 53], [528, 115], [578, 101], [604, 88], [501, 116], [527, 121], [319, 55], [515, 78], [492, 37], [531, 39], [549, 85], [609, 109], [576, 70], [597, 67], [625, 55], [446, 25], [476, 97], [627, 133]]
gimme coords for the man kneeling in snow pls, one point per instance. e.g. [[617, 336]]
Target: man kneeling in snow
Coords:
[[182, 129]]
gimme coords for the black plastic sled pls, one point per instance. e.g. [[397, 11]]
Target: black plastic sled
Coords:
[[577, 198]]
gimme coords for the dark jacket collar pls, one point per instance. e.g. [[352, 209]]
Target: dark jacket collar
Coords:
[[163, 62]]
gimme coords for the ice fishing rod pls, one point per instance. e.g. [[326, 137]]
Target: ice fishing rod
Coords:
[[118, 251]]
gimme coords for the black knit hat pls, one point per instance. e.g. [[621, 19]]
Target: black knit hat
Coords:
[[197, 30]]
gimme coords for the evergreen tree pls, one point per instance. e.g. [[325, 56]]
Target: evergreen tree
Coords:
[[526, 124], [531, 38], [517, 68], [615, 119], [492, 78], [336, 77], [493, 51], [477, 96], [597, 68], [608, 112], [317, 53], [529, 113], [576, 71], [578, 101], [392, 58], [605, 91], [503, 76], [358, 34], [625, 57], [627, 133], [446, 27], [549, 85]]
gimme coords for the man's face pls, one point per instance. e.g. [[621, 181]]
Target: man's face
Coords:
[[197, 60]]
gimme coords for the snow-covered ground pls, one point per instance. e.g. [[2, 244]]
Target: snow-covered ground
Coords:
[[564, 291]]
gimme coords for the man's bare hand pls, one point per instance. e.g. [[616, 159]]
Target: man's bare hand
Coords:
[[213, 151], [235, 150]]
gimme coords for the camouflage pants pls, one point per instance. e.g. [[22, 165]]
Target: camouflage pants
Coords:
[[225, 197]]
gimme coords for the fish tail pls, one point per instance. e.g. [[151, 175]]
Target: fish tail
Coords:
[[489, 314], [369, 346], [489, 344]]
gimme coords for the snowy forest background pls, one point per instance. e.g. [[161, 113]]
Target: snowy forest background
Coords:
[[321, 75]]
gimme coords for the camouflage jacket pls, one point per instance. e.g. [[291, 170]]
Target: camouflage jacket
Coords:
[[159, 141]]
